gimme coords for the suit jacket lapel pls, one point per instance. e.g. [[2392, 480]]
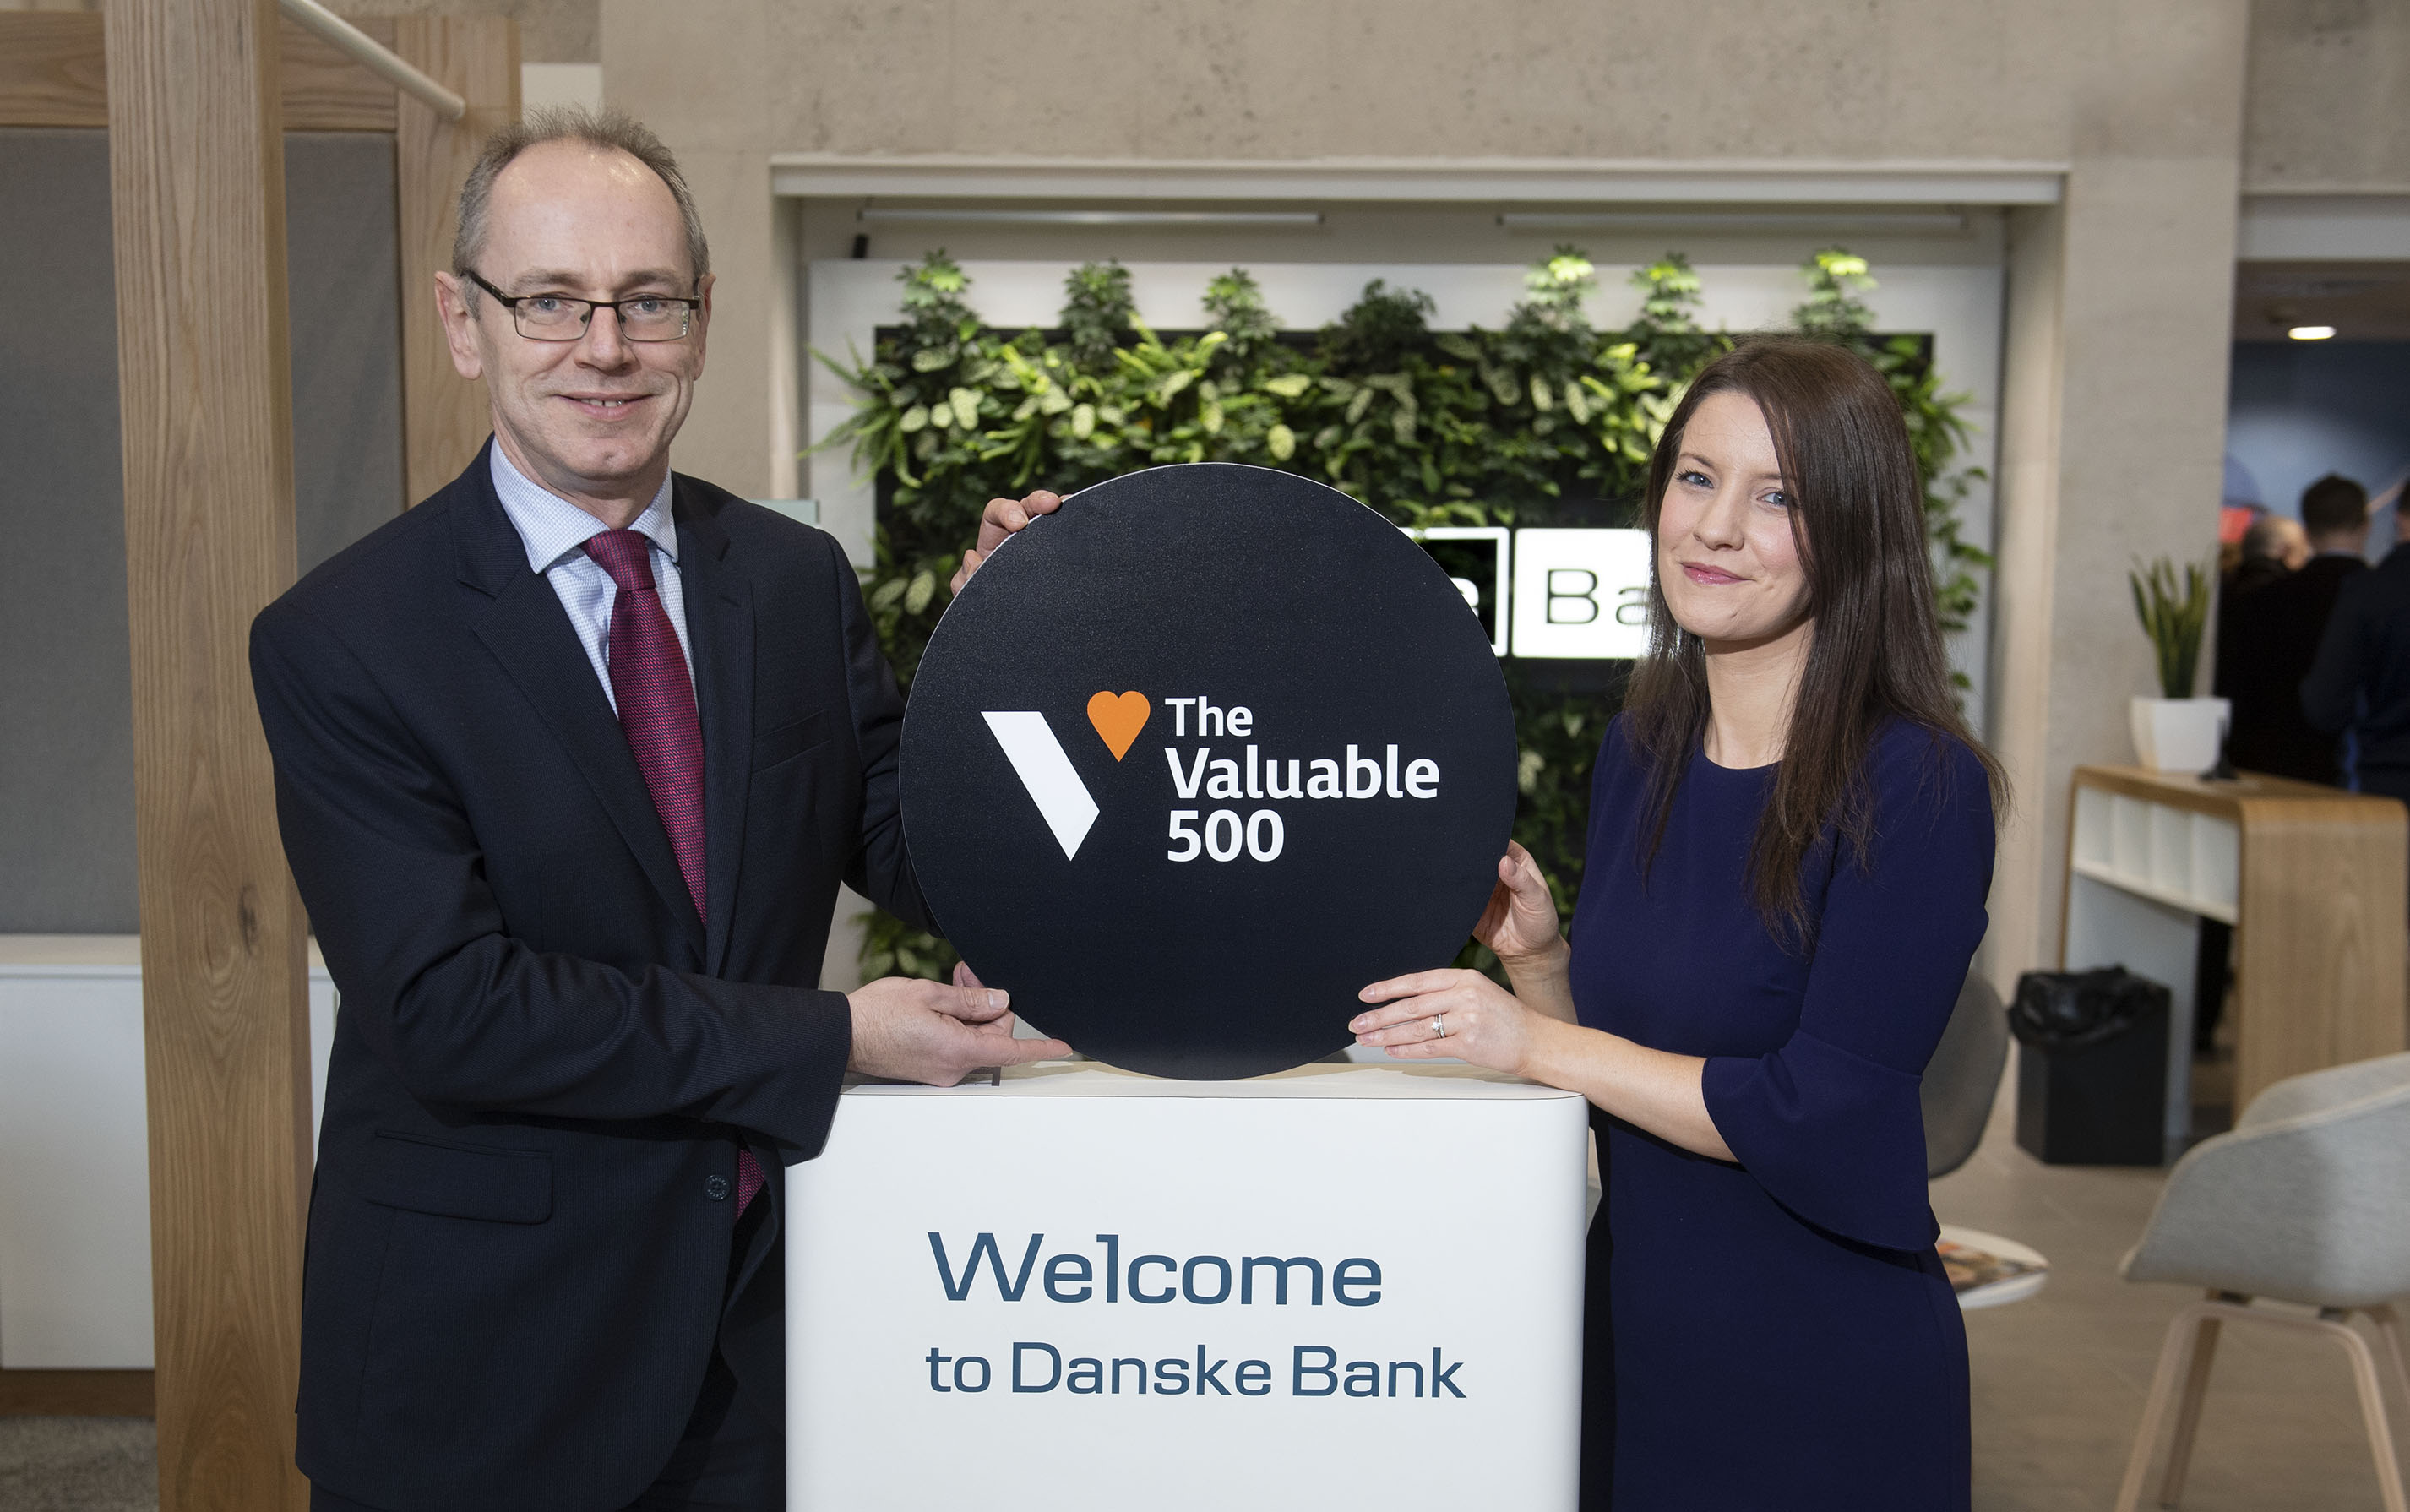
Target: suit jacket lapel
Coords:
[[720, 628], [530, 634]]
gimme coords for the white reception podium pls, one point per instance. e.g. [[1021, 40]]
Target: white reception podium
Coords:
[[1340, 1286]]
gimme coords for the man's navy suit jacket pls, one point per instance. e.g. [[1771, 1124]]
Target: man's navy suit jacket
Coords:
[[519, 1235], [2362, 677]]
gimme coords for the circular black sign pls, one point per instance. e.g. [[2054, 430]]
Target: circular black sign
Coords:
[[1197, 757]]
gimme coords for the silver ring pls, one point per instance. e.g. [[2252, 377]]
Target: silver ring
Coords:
[[1439, 1025]]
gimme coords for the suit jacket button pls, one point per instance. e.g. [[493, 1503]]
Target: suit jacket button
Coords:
[[716, 1189]]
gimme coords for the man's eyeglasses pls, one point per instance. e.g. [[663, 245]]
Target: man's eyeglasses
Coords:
[[557, 317]]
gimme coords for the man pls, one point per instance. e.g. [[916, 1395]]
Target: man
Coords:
[[571, 759], [2361, 678], [2268, 637], [2276, 546]]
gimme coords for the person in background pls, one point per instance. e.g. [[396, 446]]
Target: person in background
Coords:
[[2270, 616], [2361, 677], [2267, 631], [2233, 521], [2273, 548]]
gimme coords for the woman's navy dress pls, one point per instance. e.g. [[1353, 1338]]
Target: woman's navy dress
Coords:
[[1778, 1333]]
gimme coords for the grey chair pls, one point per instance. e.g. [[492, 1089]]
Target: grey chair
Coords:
[[2306, 1201], [1963, 1078]]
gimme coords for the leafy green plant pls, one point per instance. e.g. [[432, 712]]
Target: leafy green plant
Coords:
[[1234, 305], [1097, 310], [2174, 618], [1836, 279], [1545, 418], [1380, 330]]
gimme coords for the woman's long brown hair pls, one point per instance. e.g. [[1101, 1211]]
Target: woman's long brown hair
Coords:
[[1876, 653]]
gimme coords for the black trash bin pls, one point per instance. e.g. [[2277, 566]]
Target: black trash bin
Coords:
[[2092, 1082]]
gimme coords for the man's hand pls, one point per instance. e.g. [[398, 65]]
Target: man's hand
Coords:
[[909, 1030], [997, 523]]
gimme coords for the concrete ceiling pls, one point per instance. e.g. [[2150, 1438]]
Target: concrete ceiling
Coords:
[[2367, 301]]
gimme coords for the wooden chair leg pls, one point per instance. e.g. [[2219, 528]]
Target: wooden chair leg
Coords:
[[2196, 1387], [2389, 1329], [2372, 1410], [2190, 1342], [2175, 1356]]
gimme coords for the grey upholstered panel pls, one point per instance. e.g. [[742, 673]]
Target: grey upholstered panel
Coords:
[[1963, 1078], [342, 273], [2316, 1091], [67, 785], [2311, 1206], [67, 762]]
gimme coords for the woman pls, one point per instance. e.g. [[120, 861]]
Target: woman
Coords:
[[1789, 843]]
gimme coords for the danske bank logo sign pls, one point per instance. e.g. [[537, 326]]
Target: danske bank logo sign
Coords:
[[1093, 1278], [1195, 758]]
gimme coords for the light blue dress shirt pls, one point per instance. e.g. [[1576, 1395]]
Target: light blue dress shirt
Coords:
[[554, 533]]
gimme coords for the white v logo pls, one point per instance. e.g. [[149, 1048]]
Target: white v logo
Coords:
[[1038, 760]]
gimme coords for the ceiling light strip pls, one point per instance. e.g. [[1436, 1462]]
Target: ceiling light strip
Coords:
[[1923, 182], [1255, 220], [1927, 223]]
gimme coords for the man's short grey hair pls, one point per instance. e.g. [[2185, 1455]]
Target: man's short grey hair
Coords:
[[2268, 538], [604, 131]]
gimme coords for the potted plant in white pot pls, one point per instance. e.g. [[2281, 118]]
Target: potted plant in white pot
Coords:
[[2177, 733]]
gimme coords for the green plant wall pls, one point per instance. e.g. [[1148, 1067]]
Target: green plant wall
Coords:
[[1543, 421]]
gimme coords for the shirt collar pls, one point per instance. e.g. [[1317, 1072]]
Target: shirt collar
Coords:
[[551, 528]]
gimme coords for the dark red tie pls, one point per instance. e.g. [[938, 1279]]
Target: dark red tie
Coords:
[[656, 697]]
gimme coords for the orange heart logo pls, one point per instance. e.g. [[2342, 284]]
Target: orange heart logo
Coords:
[[1119, 717]]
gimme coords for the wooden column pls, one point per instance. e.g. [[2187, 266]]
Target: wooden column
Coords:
[[444, 416], [197, 171]]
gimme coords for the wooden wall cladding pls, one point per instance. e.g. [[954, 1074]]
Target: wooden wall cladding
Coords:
[[53, 73], [76, 1393], [52, 69]]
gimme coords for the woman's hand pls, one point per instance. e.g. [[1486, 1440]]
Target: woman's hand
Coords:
[[1520, 922], [1459, 1013], [1466, 1015], [998, 523]]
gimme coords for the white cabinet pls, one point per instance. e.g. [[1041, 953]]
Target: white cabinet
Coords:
[[2310, 878], [2141, 875], [75, 1191], [2189, 861], [1416, 1228]]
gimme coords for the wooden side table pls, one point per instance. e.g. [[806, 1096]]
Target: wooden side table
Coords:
[[2315, 880]]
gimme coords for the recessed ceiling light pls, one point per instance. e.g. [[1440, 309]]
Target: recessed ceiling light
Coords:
[[2311, 333]]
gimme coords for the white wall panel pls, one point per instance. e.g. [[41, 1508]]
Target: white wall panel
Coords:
[[75, 1184]]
